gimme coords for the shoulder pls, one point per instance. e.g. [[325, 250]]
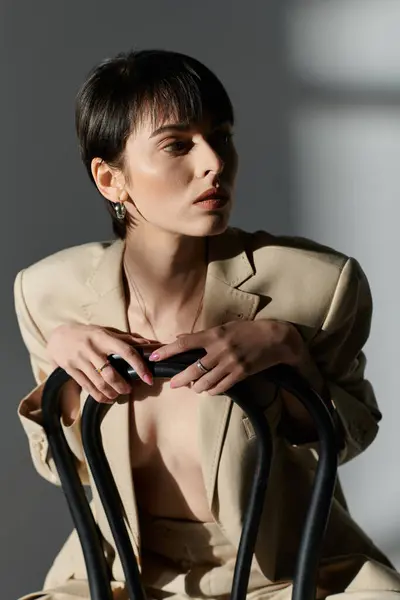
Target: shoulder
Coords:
[[60, 278], [295, 256], [77, 262], [291, 250], [301, 274]]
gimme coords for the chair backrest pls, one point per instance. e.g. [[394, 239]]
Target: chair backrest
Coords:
[[316, 520]]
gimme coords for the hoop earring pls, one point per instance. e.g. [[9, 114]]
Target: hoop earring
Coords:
[[120, 210]]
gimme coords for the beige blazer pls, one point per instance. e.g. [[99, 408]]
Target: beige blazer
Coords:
[[250, 276]]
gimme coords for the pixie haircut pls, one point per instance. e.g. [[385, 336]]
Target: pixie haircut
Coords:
[[122, 92]]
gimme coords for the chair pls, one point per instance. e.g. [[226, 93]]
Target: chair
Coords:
[[304, 583]]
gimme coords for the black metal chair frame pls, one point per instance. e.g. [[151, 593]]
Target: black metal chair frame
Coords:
[[304, 583]]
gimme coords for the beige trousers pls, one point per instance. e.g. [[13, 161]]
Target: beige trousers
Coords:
[[182, 560]]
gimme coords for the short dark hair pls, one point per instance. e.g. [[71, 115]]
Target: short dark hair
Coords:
[[119, 92]]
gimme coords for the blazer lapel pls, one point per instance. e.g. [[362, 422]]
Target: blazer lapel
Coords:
[[228, 449], [228, 267]]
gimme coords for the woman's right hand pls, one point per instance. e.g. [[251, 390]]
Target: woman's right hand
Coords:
[[81, 349]]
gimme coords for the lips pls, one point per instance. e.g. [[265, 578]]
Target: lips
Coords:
[[214, 194]]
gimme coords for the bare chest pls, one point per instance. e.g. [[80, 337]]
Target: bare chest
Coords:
[[163, 422], [165, 450]]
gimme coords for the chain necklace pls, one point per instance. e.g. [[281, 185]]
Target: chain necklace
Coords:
[[143, 309]]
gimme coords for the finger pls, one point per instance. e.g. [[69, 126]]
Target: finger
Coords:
[[185, 377], [209, 380], [132, 357], [88, 366], [122, 334], [88, 386], [131, 338], [98, 379], [136, 338], [194, 373], [109, 375], [116, 381], [224, 384], [182, 344]]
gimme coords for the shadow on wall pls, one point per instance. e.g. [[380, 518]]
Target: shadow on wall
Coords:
[[343, 80]]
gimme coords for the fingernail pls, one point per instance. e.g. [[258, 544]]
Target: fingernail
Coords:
[[148, 379], [154, 356]]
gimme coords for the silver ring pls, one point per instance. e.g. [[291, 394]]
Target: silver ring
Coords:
[[202, 367]]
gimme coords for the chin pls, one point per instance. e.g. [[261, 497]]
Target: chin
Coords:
[[219, 229], [213, 227]]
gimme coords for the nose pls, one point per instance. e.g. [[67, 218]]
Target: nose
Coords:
[[208, 160]]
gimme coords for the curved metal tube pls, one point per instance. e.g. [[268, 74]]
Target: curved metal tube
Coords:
[[312, 537], [96, 565], [317, 516]]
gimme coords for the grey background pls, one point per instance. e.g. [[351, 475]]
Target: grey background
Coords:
[[316, 90]]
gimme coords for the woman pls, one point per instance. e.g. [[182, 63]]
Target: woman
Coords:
[[155, 131]]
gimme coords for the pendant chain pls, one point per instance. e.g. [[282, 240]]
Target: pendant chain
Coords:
[[143, 308]]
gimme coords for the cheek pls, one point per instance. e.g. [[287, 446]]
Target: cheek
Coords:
[[161, 176]]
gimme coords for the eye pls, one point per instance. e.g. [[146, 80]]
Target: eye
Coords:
[[226, 136], [178, 146], [221, 138]]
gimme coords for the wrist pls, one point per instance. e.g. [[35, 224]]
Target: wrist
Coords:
[[290, 347]]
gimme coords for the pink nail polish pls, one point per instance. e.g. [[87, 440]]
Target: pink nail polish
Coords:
[[148, 379], [154, 356]]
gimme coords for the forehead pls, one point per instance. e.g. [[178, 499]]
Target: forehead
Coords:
[[153, 114]]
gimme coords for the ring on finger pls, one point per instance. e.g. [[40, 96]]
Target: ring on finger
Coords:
[[202, 368], [100, 369]]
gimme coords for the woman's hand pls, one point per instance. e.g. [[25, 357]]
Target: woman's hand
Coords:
[[235, 351], [81, 349]]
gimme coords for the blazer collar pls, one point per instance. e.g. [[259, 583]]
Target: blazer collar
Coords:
[[228, 267], [228, 262]]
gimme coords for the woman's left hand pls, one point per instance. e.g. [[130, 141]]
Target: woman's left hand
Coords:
[[235, 350]]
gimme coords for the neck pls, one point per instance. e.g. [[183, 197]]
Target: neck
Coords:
[[166, 266]]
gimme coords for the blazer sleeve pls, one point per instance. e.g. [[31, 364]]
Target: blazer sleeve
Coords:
[[29, 409], [336, 362]]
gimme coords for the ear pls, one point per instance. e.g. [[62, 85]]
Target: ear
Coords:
[[109, 181]]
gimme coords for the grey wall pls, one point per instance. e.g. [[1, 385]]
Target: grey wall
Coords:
[[343, 61], [318, 137]]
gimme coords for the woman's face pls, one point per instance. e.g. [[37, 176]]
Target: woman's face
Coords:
[[170, 167]]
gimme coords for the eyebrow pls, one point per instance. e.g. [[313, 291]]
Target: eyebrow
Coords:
[[182, 127], [171, 127]]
